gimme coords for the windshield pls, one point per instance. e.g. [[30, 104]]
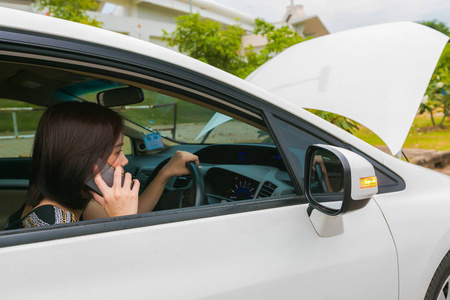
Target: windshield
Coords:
[[187, 122]]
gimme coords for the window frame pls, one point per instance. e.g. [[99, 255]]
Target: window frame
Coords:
[[63, 53], [380, 170]]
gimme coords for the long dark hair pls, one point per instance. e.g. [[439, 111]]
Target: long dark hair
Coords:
[[70, 139]]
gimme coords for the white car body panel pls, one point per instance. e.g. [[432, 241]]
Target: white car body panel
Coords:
[[263, 254], [418, 212], [267, 254], [374, 75]]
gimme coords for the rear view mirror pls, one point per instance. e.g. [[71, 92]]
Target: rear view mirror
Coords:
[[337, 180], [121, 96]]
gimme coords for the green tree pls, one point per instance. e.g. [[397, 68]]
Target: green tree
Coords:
[[207, 41], [439, 26], [278, 39], [72, 10], [437, 98], [222, 47]]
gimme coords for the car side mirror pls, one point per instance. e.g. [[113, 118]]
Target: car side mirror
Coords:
[[338, 180], [120, 96]]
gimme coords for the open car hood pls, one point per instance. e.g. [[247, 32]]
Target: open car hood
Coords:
[[374, 75]]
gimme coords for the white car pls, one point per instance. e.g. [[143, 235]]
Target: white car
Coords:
[[287, 206]]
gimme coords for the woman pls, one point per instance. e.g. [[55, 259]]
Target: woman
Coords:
[[70, 141]]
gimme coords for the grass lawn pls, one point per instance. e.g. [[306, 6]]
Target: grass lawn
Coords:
[[420, 135]]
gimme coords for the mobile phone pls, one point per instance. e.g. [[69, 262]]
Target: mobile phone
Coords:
[[107, 173]]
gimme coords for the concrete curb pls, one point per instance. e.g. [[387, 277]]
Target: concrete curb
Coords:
[[432, 159], [435, 160]]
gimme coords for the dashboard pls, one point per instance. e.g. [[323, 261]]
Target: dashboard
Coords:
[[236, 182], [231, 172], [266, 155]]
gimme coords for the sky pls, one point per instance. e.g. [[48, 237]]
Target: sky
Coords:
[[339, 15]]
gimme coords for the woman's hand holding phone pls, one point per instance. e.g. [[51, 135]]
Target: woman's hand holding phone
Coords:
[[118, 200]]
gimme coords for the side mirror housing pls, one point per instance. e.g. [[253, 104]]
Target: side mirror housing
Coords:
[[337, 180], [120, 96]]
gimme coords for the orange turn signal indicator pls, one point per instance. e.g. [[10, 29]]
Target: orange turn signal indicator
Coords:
[[368, 182]]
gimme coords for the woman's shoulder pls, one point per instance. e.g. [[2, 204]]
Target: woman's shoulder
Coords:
[[44, 215], [47, 215]]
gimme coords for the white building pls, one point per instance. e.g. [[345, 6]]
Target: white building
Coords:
[[298, 20], [146, 19]]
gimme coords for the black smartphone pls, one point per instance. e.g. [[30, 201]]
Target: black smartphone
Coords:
[[107, 173]]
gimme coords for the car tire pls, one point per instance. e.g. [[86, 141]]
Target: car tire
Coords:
[[439, 286]]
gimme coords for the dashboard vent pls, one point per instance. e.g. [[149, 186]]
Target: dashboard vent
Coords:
[[267, 190], [182, 182], [288, 182]]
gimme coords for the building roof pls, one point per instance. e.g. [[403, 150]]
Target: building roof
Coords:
[[313, 26]]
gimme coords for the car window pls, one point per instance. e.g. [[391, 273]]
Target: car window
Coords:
[[239, 160], [297, 142]]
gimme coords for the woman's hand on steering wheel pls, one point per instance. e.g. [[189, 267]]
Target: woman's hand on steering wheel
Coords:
[[180, 164], [177, 164]]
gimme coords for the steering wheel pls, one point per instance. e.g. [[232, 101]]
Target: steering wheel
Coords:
[[193, 195], [197, 190]]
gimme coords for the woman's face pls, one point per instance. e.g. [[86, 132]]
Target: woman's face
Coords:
[[117, 158]]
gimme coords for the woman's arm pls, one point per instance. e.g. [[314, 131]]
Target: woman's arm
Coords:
[[318, 160], [94, 211], [175, 167]]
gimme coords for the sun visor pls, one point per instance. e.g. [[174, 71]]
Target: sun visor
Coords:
[[374, 75]]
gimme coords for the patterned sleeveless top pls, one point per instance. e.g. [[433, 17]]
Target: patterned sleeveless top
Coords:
[[44, 215]]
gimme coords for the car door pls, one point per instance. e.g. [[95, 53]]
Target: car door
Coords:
[[264, 254], [261, 254]]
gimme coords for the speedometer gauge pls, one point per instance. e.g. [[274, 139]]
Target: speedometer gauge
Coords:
[[230, 185], [241, 190]]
